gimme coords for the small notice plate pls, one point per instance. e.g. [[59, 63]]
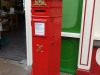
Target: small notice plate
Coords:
[[40, 28]]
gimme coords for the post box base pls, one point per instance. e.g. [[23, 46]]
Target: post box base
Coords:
[[32, 73], [58, 74]]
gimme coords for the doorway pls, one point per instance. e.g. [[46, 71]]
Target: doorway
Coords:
[[13, 34]]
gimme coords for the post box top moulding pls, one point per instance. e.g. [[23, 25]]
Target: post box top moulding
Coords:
[[46, 3]]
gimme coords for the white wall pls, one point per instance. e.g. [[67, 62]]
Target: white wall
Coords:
[[97, 29], [97, 19], [28, 31]]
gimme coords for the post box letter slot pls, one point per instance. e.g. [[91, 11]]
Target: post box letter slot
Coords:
[[43, 11]]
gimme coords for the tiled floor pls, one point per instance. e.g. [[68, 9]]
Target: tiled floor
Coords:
[[10, 67], [65, 74]]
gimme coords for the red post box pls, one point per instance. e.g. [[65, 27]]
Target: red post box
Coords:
[[46, 36]]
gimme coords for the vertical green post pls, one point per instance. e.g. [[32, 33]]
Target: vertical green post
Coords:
[[72, 12]]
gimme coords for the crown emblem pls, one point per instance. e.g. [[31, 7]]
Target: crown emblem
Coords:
[[39, 2]]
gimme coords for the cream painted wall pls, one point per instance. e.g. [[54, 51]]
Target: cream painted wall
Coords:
[[97, 20]]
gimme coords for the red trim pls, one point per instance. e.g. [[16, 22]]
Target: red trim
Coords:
[[95, 68], [90, 32]]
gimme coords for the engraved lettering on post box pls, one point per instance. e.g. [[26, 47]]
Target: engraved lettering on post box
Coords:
[[39, 48], [39, 2]]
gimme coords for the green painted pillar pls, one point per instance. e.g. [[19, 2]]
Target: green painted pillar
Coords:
[[72, 13]]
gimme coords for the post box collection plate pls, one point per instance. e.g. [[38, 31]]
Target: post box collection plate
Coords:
[[39, 28]]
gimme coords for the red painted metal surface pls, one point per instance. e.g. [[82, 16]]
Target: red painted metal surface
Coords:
[[82, 72], [46, 47], [94, 69]]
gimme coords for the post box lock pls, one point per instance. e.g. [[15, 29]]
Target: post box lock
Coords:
[[39, 48]]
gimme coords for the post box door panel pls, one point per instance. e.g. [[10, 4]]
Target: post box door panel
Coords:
[[40, 44], [40, 69], [40, 51]]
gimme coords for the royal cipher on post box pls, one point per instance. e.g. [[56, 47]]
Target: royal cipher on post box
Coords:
[[46, 36]]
